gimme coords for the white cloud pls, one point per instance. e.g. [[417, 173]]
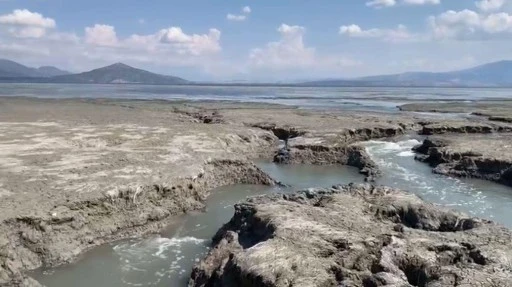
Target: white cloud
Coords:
[[239, 17], [247, 10], [172, 40], [233, 17], [291, 53], [190, 44], [401, 33], [26, 24], [381, 3], [489, 5], [26, 18], [101, 35], [33, 41], [422, 2], [288, 52], [391, 3], [470, 25]]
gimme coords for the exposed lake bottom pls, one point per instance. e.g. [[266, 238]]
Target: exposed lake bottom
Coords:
[[167, 259]]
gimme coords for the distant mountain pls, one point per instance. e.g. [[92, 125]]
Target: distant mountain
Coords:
[[492, 75], [11, 69], [49, 71], [119, 74], [496, 74]]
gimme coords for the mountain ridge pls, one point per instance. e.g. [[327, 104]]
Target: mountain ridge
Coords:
[[494, 74], [119, 73], [13, 69]]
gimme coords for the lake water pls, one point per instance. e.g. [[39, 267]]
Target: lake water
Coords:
[[355, 98]]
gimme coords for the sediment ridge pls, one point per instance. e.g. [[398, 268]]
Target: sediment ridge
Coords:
[[67, 230], [355, 235], [474, 156], [302, 146]]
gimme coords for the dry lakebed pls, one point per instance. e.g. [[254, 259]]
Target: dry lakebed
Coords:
[[79, 173]]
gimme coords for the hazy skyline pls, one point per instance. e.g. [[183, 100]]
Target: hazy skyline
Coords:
[[258, 40]]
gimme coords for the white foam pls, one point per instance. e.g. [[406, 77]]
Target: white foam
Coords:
[[165, 243], [406, 153]]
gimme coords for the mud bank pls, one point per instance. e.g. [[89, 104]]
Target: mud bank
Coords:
[[75, 174], [351, 155], [499, 111], [305, 145], [464, 127], [69, 229], [476, 156], [312, 137], [354, 236], [474, 117]]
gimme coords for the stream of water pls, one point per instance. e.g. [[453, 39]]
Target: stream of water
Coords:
[[476, 197], [167, 259]]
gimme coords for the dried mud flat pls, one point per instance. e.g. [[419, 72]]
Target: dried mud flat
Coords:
[[78, 173], [495, 111]]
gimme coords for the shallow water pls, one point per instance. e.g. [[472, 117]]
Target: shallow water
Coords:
[[473, 196], [167, 259], [381, 99]]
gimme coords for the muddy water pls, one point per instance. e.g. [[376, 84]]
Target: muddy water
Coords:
[[167, 259]]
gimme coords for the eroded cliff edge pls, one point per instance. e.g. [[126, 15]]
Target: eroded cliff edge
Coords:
[[486, 157], [354, 236]]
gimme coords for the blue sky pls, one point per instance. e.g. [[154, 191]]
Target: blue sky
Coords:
[[258, 40]]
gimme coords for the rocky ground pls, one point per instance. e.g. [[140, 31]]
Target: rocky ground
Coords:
[[355, 236], [78, 173], [313, 137], [75, 174], [472, 155]]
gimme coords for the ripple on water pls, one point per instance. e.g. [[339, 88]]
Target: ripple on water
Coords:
[[476, 197], [147, 262]]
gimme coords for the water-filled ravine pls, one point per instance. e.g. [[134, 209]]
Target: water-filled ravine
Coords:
[[167, 259], [476, 197]]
